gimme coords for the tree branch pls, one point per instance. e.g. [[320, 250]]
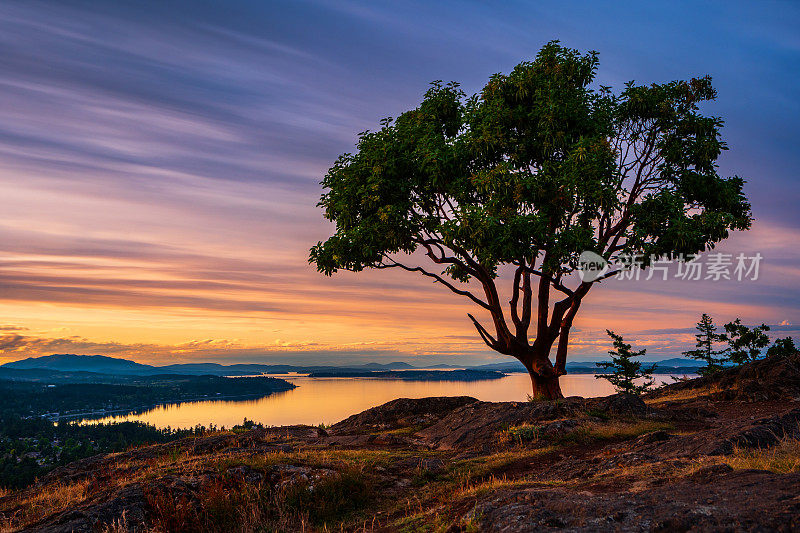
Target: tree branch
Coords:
[[465, 260], [490, 341], [527, 294], [438, 278], [515, 297]]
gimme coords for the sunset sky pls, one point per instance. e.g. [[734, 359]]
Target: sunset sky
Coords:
[[160, 165]]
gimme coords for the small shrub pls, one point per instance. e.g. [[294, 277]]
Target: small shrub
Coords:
[[521, 434], [222, 508], [746, 344], [597, 413], [782, 348], [328, 499], [707, 338], [625, 370], [423, 475], [169, 512]]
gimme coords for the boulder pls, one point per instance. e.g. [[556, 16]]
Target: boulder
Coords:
[[618, 405], [401, 413], [478, 424], [761, 434]]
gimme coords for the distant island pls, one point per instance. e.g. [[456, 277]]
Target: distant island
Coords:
[[412, 375], [93, 400], [85, 368], [69, 386]]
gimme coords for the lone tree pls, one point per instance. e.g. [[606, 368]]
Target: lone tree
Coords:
[[707, 337], [521, 178], [625, 369]]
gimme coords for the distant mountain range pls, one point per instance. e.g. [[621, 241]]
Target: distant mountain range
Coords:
[[79, 365], [101, 364]]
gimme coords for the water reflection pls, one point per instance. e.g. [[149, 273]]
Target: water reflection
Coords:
[[329, 400]]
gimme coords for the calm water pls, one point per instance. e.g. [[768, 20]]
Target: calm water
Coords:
[[329, 400]]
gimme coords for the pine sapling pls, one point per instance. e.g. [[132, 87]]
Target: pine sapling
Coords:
[[704, 350], [625, 369]]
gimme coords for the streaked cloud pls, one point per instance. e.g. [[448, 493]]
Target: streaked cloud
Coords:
[[159, 169]]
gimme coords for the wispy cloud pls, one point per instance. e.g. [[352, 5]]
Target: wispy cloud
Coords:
[[159, 169]]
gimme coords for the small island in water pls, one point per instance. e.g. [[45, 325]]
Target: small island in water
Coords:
[[411, 375]]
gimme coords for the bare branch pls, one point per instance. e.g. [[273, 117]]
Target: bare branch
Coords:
[[438, 278], [490, 341], [527, 295], [515, 297]]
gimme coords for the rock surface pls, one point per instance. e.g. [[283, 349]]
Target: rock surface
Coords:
[[772, 378], [401, 413]]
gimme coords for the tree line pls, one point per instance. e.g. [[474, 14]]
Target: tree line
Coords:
[[736, 344], [30, 447]]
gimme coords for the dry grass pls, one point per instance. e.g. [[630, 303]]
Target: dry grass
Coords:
[[783, 458], [459, 479], [432, 521], [611, 430], [490, 485], [685, 394], [313, 457], [57, 498], [480, 467], [225, 504], [586, 432], [120, 525]]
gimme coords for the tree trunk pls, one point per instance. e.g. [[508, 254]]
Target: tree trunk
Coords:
[[545, 387], [544, 378]]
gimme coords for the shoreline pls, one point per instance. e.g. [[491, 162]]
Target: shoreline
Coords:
[[141, 409]]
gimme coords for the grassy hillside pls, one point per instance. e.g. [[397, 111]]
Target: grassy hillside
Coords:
[[686, 457]]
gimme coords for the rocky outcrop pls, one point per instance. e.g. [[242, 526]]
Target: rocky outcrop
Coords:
[[760, 434], [401, 413], [106, 508], [477, 424], [717, 500], [600, 464], [772, 378], [618, 405]]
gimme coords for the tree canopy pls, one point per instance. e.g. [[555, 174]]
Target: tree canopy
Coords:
[[536, 168]]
